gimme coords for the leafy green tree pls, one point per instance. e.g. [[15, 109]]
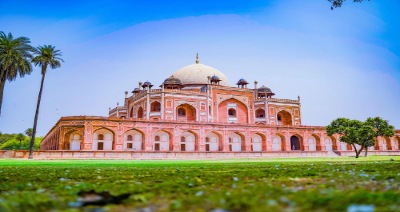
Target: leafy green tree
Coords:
[[20, 137], [352, 132], [45, 56], [339, 3], [381, 127], [15, 55]]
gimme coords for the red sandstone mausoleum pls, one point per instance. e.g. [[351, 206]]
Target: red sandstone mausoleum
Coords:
[[196, 111]]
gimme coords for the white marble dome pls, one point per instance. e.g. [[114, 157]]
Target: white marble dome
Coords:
[[196, 74]]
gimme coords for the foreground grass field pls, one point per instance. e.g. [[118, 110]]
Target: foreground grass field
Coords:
[[318, 184]]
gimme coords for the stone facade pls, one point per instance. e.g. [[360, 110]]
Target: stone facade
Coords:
[[186, 115]]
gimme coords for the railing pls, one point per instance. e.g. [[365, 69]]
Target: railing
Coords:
[[231, 88], [282, 100]]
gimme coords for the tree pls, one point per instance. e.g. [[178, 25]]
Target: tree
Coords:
[[45, 56], [352, 132], [15, 55], [28, 132], [339, 3], [20, 137], [381, 128]]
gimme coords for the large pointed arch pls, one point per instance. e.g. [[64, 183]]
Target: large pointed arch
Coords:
[[232, 110]]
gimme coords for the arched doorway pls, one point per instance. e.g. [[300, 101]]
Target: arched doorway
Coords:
[[185, 112], [314, 143], [212, 142], [103, 139], [295, 143], [284, 118], [140, 113], [133, 140]]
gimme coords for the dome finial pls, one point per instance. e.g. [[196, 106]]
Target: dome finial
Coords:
[[197, 58]]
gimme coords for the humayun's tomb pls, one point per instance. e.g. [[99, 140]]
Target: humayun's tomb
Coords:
[[196, 114]]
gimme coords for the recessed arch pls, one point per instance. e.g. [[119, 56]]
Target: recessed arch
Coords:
[[258, 142], [236, 142], [73, 140], [260, 113], [139, 114], [386, 144], [278, 142], [103, 139], [296, 142], [232, 110], [213, 141], [155, 106], [284, 118], [188, 141], [330, 143], [162, 141], [314, 143], [134, 140], [186, 112]]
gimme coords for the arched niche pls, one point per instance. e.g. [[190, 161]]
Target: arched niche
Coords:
[[314, 143], [162, 141], [103, 139], [278, 142], [260, 113], [133, 140], [185, 112], [155, 106], [188, 141], [258, 142], [284, 118], [296, 142], [236, 142], [213, 142], [140, 113], [73, 140], [232, 110]]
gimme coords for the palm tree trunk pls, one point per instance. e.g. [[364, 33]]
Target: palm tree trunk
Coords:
[[2, 83], [32, 143]]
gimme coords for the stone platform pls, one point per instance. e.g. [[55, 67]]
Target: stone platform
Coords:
[[60, 154]]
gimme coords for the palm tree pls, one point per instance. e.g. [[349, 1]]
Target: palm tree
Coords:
[[20, 137], [28, 132], [15, 55], [45, 56]]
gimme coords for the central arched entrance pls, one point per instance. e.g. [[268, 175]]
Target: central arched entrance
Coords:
[[295, 143]]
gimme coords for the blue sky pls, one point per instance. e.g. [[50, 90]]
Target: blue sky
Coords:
[[343, 62]]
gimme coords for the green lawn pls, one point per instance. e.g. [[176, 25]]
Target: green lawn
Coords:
[[306, 184]]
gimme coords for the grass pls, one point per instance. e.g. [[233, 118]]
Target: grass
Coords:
[[306, 184]]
